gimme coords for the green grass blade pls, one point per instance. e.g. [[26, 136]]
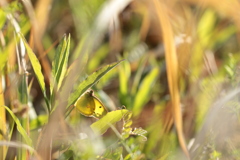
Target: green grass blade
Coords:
[[63, 65], [138, 75], [23, 92], [23, 97], [111, 118], [205, 26], [124, 76], [57, 57], [60, 62], [142, 95], [19, 127], [90, 81], [35, 64], [37, 69]]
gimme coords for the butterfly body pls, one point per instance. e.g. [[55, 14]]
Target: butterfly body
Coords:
[[90, 106]]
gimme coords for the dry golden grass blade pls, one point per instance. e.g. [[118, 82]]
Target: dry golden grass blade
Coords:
[[3, 149], [172, 68]]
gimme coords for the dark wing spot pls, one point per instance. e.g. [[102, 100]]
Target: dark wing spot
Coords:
[[100, 106]]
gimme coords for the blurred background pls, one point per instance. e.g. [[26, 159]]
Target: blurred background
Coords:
[[180, 77]]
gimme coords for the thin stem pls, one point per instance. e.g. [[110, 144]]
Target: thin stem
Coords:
[[120, 137]]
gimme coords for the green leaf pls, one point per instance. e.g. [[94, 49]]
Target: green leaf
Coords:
[[106, 79], [23, 91], [139, 74], [35, 64], [90, 81], [60, 62], [37, 69], [143, 93], [139, 132], [19, 127], [124, 75], [111, 118], [205, 26], [57, 57]]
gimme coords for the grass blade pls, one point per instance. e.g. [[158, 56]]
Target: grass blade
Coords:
[[104, 123], [19, 127], [90, 81], [172, 70], [139, 74], [124, 76], [60, 62], [142, 95], [37, 69]]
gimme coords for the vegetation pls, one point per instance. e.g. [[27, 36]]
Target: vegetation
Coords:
[[164, 75]]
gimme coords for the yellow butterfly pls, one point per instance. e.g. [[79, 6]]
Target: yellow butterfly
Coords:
[[90, 106]]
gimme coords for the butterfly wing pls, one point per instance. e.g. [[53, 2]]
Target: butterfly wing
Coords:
[[86, 105], [100, 109]]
